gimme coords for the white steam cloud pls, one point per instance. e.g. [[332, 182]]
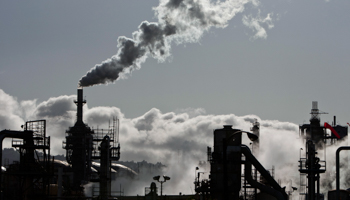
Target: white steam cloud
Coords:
[[256, 24], [176, 139], [179, 21]]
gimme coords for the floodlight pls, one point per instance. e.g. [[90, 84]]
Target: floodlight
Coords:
[[252, 136], [156, 178], [166, 178]]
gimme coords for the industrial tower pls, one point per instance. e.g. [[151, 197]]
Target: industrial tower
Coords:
[[83, 145], [78, 146]]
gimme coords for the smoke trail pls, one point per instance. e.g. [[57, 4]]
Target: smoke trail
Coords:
[[178, 20]]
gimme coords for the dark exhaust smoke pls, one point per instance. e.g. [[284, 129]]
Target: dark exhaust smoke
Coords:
[[178, 20]]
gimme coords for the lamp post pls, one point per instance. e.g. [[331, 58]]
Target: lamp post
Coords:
[[166, 178], [250, 135]]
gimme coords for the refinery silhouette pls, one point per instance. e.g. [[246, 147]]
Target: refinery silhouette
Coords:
[[90, 165], [237, 165]]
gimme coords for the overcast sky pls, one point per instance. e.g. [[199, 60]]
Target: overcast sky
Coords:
[[47, 46], [266, 60]]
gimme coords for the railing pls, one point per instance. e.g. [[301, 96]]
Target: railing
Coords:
[[17, 143], [302, 164]]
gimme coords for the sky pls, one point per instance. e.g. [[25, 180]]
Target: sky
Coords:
[[253, 59], [46, 47]]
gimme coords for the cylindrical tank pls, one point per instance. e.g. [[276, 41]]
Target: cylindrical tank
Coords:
[[343, 194], [226, 163]]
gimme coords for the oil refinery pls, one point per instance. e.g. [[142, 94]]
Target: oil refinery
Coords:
[[235, 169]]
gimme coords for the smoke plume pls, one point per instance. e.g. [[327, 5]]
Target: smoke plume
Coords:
[[179, 21]]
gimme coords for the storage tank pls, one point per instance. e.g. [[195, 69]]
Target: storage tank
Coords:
[[343, 195], [226, 163]]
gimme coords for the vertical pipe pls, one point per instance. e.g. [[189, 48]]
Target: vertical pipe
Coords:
[[224, 193], [318, 186], [311, 165], [104, 169], [1, 139], [59, 183], [256, 179], [337, 168], [79, 103]]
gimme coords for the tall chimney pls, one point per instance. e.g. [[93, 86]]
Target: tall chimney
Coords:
[[80, 102]]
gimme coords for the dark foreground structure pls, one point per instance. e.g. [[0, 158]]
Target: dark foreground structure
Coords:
[[235, 171], [37, 175], [83, 145]]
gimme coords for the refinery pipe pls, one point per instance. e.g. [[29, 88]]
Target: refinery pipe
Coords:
[[276, 189], [337, 168]]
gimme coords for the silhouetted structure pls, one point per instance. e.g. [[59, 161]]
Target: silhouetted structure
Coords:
[[317, 133], [30, 178], [38, 176], [83, 145], [311, 167], [78, 147], [226, 166]]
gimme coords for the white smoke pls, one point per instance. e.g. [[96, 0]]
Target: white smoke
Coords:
[[257, 24], [179, 21], [328, 181], [13, 113], [176, 139]]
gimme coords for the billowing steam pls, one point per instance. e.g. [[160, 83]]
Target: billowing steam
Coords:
[[176, 139], [179, 21]]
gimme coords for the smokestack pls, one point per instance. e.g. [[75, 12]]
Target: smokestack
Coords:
[[80, 103]]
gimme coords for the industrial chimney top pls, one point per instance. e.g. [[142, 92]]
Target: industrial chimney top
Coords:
[[80, 103]]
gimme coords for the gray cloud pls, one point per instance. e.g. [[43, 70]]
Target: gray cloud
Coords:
[[56, 107], [277, 125], [101, 115], [173, 4], [145, 123], [168, 116]]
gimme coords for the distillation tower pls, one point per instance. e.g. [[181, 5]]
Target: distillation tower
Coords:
[[316, 138], [83, 145], [226, 165], [78, 146]]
